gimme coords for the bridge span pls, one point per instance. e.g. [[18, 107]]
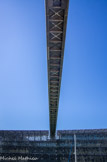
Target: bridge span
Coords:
[[56, 20]]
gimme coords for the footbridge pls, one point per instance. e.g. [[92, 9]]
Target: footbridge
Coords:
[[56, 20]]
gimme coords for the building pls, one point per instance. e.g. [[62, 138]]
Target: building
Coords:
[[87, 145]]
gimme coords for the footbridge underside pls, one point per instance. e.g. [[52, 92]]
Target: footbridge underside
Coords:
[[56, 20]]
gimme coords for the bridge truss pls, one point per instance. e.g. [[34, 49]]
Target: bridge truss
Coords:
[[56, 20]]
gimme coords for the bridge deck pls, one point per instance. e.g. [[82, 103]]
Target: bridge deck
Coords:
[[56, 19]]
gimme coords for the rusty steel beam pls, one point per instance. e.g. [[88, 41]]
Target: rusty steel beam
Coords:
[[56, 20]]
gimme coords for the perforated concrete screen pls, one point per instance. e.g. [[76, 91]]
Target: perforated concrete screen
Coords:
[[91, 146]]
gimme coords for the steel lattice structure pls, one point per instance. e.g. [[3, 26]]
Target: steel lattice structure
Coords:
[[56, 19]]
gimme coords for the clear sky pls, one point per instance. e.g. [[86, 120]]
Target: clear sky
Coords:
[[23, 66]]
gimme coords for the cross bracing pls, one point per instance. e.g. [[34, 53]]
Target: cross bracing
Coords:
[[56, 19]]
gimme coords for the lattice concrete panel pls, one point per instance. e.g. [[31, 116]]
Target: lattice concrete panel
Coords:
[[27, 146]]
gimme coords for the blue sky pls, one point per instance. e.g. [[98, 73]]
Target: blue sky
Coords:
[[23, 66]]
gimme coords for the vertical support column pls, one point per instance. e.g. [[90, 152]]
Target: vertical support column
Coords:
[[75, 151]]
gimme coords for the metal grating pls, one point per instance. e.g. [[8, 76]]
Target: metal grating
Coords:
[[56, 19]]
